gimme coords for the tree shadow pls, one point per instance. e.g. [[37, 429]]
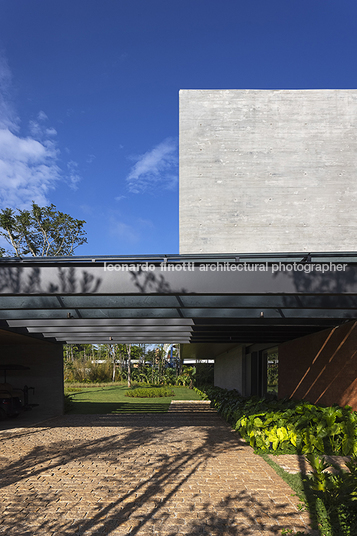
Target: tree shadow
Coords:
[[120, 477], [316, 282], [17, 280], [148, 282]]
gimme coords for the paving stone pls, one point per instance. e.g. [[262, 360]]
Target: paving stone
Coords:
[[183, 472]]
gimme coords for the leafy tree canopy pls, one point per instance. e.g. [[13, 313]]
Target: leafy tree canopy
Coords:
[[41, 231]]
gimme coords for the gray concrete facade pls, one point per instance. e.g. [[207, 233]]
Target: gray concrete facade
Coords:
[[243, 368], [268, 170], [228, 370]]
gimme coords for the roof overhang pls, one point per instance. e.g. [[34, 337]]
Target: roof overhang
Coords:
[[235, 298]]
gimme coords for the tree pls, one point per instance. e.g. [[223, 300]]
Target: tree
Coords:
[[111, 351], [128, 349], [41, 231]]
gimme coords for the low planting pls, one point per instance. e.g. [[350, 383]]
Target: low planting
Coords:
[[334, 497], [287, 426], [150, 392], [284, 427]]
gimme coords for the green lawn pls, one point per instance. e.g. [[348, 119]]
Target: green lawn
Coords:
[[112, 399]]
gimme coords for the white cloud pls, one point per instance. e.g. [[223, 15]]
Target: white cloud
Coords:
[[14, 148], [38, 130], [28, 171], [146, 223], [51, 131], [73, 175], [122, 230], [87, 209], [120, 197], [156, 169], [42, 116], [35, 129], [28, 165], [8, 118]]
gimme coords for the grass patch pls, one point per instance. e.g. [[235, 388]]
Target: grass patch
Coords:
[[298, 484], [329, 498], [113, 399], [150, 392], [293, 480]]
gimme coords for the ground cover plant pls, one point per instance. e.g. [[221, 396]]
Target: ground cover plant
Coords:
[[112, 399], [150, 392], [285, 426]]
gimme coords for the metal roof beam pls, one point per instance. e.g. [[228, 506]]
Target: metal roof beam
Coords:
[[125, 340], [75, 322], [333, 256], [118, 333], [24, 314], [182, 301], [110, 329]]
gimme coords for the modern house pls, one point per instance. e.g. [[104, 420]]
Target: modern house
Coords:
[[267, 259]]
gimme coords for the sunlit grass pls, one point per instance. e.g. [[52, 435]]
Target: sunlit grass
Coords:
[[112, 399]]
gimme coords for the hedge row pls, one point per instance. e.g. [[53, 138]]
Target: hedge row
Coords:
[[150, 392]]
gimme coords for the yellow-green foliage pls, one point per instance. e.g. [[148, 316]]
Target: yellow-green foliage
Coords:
[[287, 425]]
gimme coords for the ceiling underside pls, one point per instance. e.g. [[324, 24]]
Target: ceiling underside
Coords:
[[79, 301]]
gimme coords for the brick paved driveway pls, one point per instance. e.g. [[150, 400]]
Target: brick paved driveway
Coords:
[[183, 472]]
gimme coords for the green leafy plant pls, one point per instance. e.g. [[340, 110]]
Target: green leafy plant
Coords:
[[335, 496], [287, 426], [151, 392]]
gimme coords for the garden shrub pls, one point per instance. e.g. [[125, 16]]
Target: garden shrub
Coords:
[[335, 496], [287, 425], [150, 392]]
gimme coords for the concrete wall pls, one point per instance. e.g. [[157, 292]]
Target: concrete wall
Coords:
[[228, 370], [322, 367], [268, 171], [45, 360]]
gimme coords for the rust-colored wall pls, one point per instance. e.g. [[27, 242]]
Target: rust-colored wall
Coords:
[[322, 367]]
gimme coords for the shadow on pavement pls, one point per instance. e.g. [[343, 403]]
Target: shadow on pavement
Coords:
[[131, 474]]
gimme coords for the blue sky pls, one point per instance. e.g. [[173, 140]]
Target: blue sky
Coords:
[[89, 97]]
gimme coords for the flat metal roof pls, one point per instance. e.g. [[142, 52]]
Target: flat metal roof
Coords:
[[231, 298]]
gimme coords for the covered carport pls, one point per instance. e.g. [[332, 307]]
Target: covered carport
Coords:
[[228, 307]]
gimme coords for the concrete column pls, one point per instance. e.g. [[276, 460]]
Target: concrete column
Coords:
[[228, 370]]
